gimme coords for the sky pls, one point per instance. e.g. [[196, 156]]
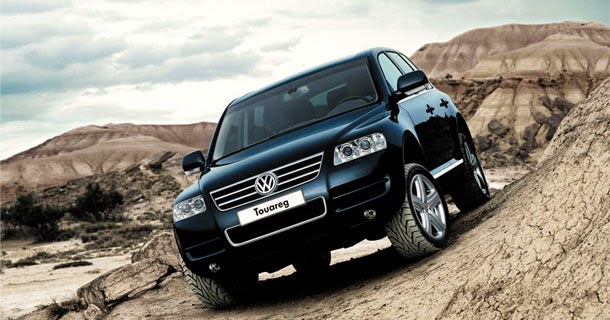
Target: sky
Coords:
[[70, 63]]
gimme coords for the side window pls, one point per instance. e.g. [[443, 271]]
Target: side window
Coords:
[[390, 71], [406, 68], [258, 116], [409, 62]]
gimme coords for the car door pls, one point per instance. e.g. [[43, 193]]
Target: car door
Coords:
[[425, 110]]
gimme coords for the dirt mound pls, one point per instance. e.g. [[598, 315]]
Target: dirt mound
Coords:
[[465, 51], [194, 135], [559, 53], [93, 149], [538, 248]]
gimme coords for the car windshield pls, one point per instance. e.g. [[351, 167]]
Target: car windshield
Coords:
[[293, 105]]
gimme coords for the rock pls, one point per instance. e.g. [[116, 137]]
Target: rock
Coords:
[[529, 136], [496, 127], [93, 312], [539, 113], [483, 143], [563, 104], [553, 121], [119, 283], [160, 158], [161, 246]]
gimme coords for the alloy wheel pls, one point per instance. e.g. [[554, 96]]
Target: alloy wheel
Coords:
[[428, 207]]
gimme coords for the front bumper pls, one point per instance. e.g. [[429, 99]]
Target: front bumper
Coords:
[[331, 218]]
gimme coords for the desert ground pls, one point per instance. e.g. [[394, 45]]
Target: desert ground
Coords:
[[23, 289]]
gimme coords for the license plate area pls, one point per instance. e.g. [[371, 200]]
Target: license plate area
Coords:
[[271, 207]]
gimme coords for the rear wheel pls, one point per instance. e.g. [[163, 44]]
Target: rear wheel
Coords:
[[420, 226], [471, 189], [218, 293]]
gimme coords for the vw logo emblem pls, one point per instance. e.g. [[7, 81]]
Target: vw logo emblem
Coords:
[[266, 183]]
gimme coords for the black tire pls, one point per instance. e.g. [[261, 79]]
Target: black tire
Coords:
[[471, 188], [313, 263], [217, 293], [419, 228]]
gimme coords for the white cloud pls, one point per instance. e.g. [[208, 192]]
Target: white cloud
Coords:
[[71, 63]]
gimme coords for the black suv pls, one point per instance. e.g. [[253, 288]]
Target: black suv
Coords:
[[360, 148]]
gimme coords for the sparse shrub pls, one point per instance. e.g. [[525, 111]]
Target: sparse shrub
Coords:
[[33, 259], [57, 309], [123, 236], [23, 263], [42, 255], [71, 264], [88, 237], [97, 205], [97, 226], [33, 219], [65, 234], [38, 257], [5, 263]]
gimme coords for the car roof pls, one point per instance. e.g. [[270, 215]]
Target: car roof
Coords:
[[371, 53]]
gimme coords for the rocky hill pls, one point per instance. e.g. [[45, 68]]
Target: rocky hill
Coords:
[[464, 52], [515, 83], [97, 149]]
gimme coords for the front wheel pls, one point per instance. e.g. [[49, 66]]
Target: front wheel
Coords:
[[217, 293], [420, 227], [471, 189]]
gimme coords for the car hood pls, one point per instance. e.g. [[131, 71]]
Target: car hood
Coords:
[[315, 138]]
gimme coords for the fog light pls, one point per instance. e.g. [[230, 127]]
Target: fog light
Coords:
[[214, 267], [370, 214]]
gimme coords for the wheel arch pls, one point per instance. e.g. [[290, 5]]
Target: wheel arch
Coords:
[[412, 151], [462, 127]]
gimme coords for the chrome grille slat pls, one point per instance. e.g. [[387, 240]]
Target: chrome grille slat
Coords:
[[295, 178], [231, 194], [299, 169], [234, 192], [242, 197]]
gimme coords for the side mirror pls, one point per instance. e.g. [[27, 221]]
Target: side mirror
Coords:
[[193, 162], [412, 80]]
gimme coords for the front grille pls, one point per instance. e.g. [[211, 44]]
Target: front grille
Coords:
[[289, 176], [283, 221]]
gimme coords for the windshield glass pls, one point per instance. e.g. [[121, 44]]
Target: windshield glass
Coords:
[[295, 104]]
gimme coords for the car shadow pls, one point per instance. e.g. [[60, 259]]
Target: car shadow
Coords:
[[338, 276], [357, 271]]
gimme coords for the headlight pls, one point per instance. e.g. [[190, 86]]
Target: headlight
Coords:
[[189, 208], [359, 147]]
